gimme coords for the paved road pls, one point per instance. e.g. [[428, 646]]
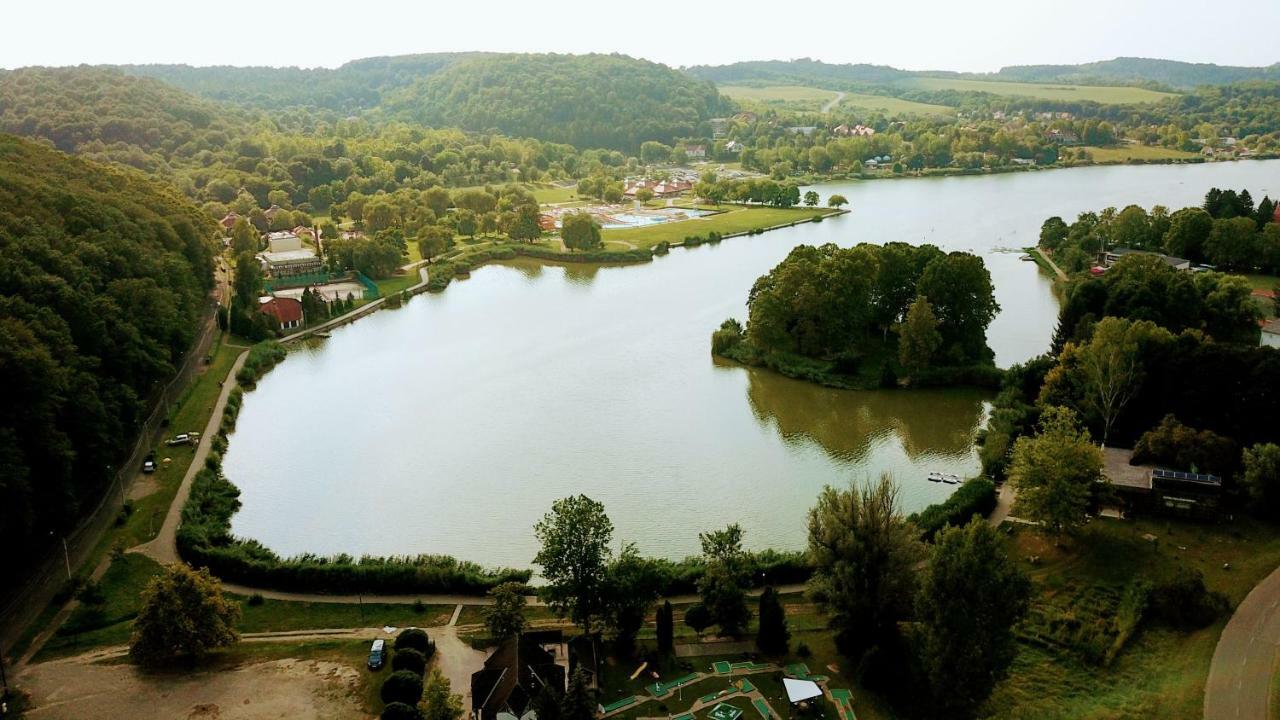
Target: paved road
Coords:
[[1239, 684]]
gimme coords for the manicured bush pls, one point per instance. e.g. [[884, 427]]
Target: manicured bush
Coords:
[[409, 659], [402, 686], [400, 711], [413, 639], [698, 617], [975, 497]]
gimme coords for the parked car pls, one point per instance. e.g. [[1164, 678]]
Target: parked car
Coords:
[[149, 463], [378, 654], [183, 439]]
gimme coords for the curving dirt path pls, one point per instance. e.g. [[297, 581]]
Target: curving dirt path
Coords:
[[1239, 683], [833, 102], [163, 548]]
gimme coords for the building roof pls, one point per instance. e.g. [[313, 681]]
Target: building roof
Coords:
[[1174, 262], [284, 310], [1272, 327], [800, 690], [512, 676], [228, 221], [1121, 474], [285, 256]]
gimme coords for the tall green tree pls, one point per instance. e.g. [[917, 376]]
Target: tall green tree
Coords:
[[505, 617], [632, 585], [1055, 472], [244, 237], [1261, 477], [724, 579], [574, 558], [666, 628], [1111, 363], [971, 596], [772, 636], [837, 201], [865, 554], [579, 701], [183, 614], [963, 299], [438, 702], [248, 280], [580, 231], [918, 336]]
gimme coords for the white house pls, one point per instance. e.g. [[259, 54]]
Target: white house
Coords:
[[1271, 334]]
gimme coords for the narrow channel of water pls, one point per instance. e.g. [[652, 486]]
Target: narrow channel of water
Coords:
[[450, 426]]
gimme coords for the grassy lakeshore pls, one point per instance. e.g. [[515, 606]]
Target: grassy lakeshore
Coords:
[[733, 219], [1137, 153]]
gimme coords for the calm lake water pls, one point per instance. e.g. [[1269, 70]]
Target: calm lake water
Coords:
[[449, 426]]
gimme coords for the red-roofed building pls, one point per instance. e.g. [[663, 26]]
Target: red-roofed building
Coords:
[[1275, 216], [229, 221], [286, 312]]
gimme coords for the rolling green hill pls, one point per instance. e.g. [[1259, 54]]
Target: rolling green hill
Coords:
[[357, 85], [104, 277], [608, 101]]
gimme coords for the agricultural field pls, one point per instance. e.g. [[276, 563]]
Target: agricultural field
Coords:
[[1130, 153], [798, 97], [1112, 95]]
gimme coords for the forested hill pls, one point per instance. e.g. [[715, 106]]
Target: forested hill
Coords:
[[1139, 70], [802, 71], [1119, 71], [103, 275], [609, 101], [107, 115], [355, 86]]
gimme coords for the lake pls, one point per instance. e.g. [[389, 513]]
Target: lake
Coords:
[[450, 425]]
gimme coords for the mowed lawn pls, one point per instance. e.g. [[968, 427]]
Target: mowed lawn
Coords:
[[1129, 153], [735, 219], [1113, 95]]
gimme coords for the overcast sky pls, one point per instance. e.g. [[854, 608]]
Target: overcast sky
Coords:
[[979, 35]]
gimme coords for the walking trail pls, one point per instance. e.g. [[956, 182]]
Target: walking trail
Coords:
[[163, 548], [833, 102], [1239, 683]]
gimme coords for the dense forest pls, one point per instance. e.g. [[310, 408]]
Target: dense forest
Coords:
[[103, 274], [608, 101], [1171, 73], [355, 86], [1228, 232], [1125, 70]]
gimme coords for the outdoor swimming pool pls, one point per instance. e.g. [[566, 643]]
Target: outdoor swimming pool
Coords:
[[648, 217]]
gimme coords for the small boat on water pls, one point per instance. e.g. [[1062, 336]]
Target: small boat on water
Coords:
[[935, 477], [951, 479]]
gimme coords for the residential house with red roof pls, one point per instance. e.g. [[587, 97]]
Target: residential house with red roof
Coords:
[[286, 312]]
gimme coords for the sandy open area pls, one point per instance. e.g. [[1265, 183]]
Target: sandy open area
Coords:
[[76, 689]]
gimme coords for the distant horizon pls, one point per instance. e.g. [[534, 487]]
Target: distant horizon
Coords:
[[978, 37], [995, 71]]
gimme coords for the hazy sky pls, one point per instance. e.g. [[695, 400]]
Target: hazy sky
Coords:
[[979, 35]]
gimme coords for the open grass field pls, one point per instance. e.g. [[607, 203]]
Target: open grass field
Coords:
[[1160, 673], [736, 218], [891, 105], [1130, 153], [1047, 91], [808, 98]]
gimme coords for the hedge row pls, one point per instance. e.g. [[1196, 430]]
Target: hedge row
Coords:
[[975, 497], [768, 567]]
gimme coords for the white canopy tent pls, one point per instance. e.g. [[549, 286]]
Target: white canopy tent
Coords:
[[799, 690]]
